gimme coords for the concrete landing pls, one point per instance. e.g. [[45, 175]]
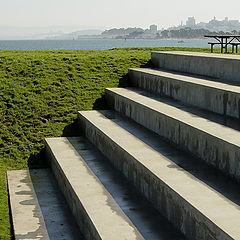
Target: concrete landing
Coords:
[[192, 90], [194, 207], [39, 210], [221, 66], [216, 144]]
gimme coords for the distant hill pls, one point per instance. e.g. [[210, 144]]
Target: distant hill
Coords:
[[88, 32], [52, 32], [77, 34]]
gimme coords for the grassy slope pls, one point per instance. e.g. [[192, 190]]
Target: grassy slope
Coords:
[[40, 94]]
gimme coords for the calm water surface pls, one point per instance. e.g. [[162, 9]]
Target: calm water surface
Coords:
[[95, 44]]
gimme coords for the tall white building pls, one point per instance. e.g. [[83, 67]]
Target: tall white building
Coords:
[[191, 22], [153, 28]]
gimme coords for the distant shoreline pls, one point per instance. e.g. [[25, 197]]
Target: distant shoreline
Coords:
[[89, 38]]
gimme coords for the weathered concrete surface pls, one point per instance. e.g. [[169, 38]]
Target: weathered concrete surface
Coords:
[[195, 208], [204, 93], [214, 143], [221, 66], [59, 221], [28, 222], [149, 222], [96, 212], [38, 208]]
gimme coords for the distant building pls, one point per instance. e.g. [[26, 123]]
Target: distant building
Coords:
[[201, 25], [191, 22], [153, 28], [225, 25], [226, 19]]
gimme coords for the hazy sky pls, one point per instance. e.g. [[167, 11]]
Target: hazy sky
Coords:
[[105, 14]]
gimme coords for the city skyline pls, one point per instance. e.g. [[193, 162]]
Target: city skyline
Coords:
[[70, 28], [70, 32]]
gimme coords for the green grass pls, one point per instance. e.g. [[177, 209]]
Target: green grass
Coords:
[[40, 94]]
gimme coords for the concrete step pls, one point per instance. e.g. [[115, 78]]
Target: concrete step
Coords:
[[202, 92], [202, 208], [214, 143], [38, 209], [115, 210], [96, 212], [220, 66]]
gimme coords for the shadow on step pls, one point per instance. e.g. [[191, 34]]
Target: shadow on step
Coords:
[[37, 160], [71, 130], [101, 102], [148, 64], [124, 80]]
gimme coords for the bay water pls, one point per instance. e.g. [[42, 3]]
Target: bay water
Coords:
[[97, 44]]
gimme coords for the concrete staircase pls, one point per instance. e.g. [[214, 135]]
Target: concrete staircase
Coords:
[[164, 163]]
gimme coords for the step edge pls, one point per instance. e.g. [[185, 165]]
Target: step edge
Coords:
[[113, 91], [224, 87]]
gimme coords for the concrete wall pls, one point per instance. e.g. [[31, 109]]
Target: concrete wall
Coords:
[[212, 98], [214, 150], [212, 65]]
